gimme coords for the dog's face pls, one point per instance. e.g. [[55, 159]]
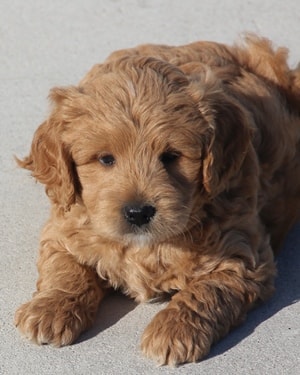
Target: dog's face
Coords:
[[138, 158], [135, 148]]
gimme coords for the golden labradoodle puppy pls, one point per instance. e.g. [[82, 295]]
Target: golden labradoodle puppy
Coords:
[[171, 171]]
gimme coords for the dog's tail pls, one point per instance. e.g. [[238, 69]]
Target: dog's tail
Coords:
[[257, 54]]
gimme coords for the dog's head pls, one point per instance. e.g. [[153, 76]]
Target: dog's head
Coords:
[[142, 144]]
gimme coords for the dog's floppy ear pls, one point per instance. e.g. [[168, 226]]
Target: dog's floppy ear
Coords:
[[228, 135], [49, 160]]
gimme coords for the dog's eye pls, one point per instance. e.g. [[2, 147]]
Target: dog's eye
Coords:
[[169, 157], [107, 160]]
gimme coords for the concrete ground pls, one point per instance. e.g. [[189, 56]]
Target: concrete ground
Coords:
[[49, 43]]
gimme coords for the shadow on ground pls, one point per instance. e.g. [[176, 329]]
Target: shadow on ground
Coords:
[[113, 308], [287, 293]]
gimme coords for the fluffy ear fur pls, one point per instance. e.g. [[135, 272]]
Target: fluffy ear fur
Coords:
[[228, 147], [49, 159], [229, 133]]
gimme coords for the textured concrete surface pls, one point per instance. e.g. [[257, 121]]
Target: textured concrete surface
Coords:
[[48, 43]]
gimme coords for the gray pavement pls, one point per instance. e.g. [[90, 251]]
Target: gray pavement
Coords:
[[49, 43]]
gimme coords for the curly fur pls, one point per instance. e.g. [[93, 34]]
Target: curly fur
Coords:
[[206, 134]]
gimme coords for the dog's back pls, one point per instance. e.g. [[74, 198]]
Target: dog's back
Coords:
[[270, 91]]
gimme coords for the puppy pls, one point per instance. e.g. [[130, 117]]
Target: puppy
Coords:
[[171, 171]]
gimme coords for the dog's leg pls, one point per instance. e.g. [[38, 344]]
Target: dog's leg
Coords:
[[205, 311], [66, 300]]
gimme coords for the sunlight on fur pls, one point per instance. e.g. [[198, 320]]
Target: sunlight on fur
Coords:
[[171, 170]]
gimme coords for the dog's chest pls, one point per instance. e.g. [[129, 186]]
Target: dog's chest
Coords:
[[144, 273]]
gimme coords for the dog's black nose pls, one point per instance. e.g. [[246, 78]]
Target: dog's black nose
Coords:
[[139, 215]]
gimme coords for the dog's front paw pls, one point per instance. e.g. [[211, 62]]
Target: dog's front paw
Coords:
[[52, 317], [174, 337]]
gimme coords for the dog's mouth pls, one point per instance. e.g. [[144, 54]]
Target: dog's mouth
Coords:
[[142, 235], [155, 231], [141, 239], [151, 232]]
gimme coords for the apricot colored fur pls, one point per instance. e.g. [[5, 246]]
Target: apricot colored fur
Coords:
[[207, 135]]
